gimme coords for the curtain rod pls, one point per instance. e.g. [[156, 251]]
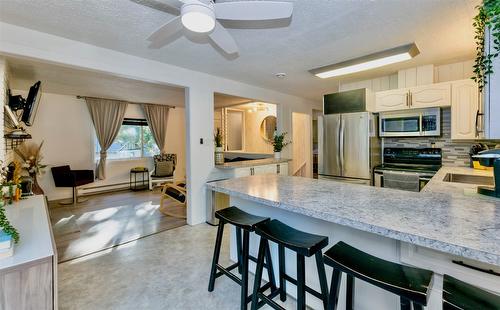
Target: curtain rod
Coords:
[[83, 97]]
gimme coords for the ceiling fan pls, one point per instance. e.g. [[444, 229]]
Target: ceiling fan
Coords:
[[202, 16]]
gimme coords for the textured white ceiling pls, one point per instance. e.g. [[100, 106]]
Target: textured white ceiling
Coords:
[[321, 32], [69, 81]]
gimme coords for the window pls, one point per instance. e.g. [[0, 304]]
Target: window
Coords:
[[134, 140]]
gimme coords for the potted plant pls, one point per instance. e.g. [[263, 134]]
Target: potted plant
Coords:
[[278, 142], [487, 20], [32, 158], [219, 150], [5, 225]]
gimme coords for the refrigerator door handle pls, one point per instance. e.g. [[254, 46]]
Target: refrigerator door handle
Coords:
[[341, 148]]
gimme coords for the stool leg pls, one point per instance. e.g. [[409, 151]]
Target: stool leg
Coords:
[[405, 303], [244, 269], [215, 259], [334, 290], [270, 269], [322, 277], [281, 262], [350, 293], [238, 248], [417, 306], [301, 282], [258, 274]]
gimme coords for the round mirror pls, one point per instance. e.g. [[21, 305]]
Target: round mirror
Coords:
[[268, 127]]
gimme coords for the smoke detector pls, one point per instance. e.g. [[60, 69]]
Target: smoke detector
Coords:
[[280, 75]]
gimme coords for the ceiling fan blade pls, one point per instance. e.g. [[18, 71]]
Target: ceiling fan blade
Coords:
[[253, 10], [161, 37], [167, 6], [221, 37]]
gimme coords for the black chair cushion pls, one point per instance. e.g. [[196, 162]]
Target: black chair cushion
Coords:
[[409, 282], [83, 177], [65, 177], [240, 218], [301, 242], [176, 194], [461, 295]]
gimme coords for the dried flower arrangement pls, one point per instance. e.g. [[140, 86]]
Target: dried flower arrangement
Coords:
[[30, 154]]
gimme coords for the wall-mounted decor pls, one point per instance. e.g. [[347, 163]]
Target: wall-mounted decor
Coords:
[[268, 127]]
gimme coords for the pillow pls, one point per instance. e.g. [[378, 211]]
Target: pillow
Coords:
[[164, 169]]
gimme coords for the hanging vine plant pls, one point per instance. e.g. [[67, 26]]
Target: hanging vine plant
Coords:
[[488, 18]]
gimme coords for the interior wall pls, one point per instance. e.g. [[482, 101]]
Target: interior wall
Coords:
[[64, 124], [301, 145], [4, 86], [254, 142]]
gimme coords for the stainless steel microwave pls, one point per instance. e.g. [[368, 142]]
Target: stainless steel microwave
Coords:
[[410, 123]]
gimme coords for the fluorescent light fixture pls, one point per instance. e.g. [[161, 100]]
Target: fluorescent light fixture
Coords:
[[198, 17], [372, 61]]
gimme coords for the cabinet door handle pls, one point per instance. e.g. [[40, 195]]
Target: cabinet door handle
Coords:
[[252, 171], [278, 169], [407, 101], [478, 130], [410, 99]]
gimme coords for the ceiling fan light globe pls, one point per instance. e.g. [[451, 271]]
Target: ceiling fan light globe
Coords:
[[198, 18]]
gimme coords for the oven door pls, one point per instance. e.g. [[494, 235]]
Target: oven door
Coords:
[[378, 179]]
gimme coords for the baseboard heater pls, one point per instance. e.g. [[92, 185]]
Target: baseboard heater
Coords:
[[91, 190]]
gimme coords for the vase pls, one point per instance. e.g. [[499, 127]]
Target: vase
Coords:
[[277, 155], [219, 155], [36, 189]]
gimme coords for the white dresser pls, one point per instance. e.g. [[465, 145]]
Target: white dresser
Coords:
[[28, 279]]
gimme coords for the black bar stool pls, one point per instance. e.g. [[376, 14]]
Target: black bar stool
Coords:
[[458, 295], [246, 222], [409, 283], [304, 244]]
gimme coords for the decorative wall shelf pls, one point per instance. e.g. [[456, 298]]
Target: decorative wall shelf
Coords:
[[14, 140]]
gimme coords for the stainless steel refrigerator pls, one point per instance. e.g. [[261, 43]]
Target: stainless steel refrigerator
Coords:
[[349, 147]]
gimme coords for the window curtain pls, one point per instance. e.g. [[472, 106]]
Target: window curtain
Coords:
[[107, 116], [157, 117]]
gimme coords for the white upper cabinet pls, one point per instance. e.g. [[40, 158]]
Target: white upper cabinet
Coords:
[[418, 97], [391, 100], [464, 108], [429, 96]]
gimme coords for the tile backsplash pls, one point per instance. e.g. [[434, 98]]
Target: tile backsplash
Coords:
[[454, 153]]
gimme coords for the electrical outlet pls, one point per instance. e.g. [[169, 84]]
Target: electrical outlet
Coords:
[[201, 140]]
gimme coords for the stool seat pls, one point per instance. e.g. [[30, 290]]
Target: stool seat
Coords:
[[461, 295], [239, 218], [408, 282], [301, 242]]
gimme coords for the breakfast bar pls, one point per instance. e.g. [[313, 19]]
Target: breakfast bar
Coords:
[[452, 234]]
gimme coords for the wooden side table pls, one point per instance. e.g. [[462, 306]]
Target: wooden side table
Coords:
[[143, 182]]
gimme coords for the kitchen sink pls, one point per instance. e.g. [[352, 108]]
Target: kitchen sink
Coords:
[[468, 179]]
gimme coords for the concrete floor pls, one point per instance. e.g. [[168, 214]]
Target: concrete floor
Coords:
[[169, 270]]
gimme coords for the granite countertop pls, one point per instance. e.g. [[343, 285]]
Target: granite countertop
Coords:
[[252, 163], [460, 190], [448, 222]]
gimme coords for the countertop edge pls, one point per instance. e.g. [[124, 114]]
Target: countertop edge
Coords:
[[252, 163], [441, 246]]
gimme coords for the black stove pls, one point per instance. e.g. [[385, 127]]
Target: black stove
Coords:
[[424, 162], [412, 159]]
